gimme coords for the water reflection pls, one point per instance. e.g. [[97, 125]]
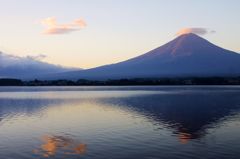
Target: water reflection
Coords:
[[53, 144], [120, 124], [184, 137], [189, 114]]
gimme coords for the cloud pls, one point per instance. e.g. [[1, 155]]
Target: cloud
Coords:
[[18, 67], [52, 27], [12, 60], [198, 31], [37, 57]]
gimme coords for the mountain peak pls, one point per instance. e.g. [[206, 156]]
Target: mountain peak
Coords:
[[189, 34], [190, 37], [187, 44], [184, 45]]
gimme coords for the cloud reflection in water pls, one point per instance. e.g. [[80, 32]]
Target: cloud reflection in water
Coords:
[[53, 144]]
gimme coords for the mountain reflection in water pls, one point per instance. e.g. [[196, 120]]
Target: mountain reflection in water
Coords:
[[189, 114]]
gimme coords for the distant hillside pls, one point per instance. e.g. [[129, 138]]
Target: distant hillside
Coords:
[[27, 67]]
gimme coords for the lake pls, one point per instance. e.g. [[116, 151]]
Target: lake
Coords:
[[130, 122]]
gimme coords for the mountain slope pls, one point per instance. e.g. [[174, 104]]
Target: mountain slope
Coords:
[[26, 67], [187, 55]]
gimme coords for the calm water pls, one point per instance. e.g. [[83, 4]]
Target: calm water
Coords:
[[120, 122]]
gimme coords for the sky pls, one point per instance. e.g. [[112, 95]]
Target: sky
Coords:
[[91, 33]]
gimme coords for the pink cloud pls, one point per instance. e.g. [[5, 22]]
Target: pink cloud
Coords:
[[199, 31], [52, 27], [80, 22]]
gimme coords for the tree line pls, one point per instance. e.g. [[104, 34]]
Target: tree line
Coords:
[[125, 82]]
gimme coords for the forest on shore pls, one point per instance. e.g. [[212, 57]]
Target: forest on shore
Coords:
[[125, 82]]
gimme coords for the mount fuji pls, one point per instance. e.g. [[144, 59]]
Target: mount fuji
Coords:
[[188, 55]]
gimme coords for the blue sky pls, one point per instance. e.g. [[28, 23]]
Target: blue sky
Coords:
[[114, 31]]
